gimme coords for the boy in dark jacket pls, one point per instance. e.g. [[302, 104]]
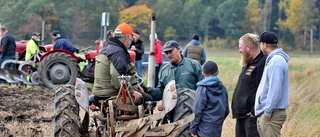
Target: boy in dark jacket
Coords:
[[211, 105]]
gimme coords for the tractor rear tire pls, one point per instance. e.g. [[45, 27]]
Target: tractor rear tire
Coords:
[[67, 120], [183, 109], [64, 70]]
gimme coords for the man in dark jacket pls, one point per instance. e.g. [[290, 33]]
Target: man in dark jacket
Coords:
[[63, 43], [211, 105], [243, 100], [7, 46], [138, 47]]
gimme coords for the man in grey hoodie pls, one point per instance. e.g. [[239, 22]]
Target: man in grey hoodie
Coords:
[[272, 96]]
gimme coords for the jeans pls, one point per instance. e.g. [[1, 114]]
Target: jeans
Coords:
[[156, 81], [10, 65], [138, 64]]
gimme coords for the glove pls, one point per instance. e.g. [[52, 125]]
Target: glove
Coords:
[[144, 87], [77, 51]]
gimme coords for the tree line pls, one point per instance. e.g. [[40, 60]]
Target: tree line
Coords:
[[220, 23]]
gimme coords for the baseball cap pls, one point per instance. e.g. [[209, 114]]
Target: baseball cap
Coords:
[[124, 28], [210, 67], [268, 37], [169, 45], [36, 34], [55, 33]]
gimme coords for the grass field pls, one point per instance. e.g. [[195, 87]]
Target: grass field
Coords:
[[304, 110]]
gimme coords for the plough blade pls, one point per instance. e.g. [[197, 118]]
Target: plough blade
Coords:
[[5, 76], [18, 75]]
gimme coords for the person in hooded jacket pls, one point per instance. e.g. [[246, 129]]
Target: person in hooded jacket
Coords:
[[211, 105], [194, 50], [272, 97]]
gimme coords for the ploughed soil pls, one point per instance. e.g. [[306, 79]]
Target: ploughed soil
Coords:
[[26, 111]]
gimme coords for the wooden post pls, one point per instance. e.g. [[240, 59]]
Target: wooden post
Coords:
[[151, 65], [42, 33], [311, 42]]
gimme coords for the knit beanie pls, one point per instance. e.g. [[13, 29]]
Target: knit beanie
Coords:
[[195, 36]]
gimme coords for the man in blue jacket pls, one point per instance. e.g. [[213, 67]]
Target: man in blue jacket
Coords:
[[272, 96], [63, 43], [211, 104]]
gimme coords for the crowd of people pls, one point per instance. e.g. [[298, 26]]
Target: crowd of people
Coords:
[[259, 100], [259, 110]]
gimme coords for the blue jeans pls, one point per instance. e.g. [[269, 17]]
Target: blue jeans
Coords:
[[10, 65], [138, 64]]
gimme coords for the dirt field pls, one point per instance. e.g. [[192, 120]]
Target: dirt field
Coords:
[[26, 112], [29, 112]]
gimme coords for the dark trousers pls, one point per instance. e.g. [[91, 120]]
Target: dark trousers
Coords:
[[246, 127], [156, 79], [95, 100]]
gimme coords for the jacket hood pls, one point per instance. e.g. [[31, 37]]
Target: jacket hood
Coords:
[[212, 84], [280, 52], [195, 42], [209, 81]]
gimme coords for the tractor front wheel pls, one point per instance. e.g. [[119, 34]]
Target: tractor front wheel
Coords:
[[57, 69]]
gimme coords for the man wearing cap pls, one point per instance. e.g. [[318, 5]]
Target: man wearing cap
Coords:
[[7, 46], [113, 61], [138, 47], [211, 105], [252, 62], [194, 50], [272, 96], [32, 45], [186, 72], [63, 43]]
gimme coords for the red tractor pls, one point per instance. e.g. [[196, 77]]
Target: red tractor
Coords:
[[51, 67]]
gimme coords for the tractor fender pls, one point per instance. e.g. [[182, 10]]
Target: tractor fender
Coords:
[[58, 50], [82, 94], [169, 97], [92, 54]]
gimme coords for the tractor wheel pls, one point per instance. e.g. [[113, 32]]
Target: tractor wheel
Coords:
[[56, 69], [66, 122], [183, 109]]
